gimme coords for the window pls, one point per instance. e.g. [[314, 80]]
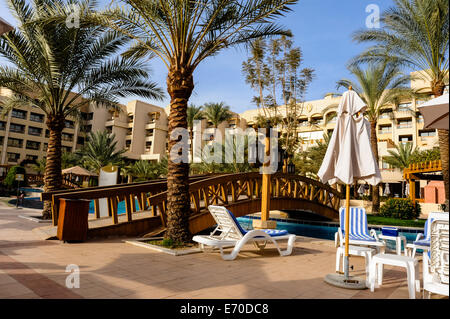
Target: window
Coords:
[[80, 140], [32, 158], [36, 131], [386, 114], [148, 146], [35, 117], [385, 165], [427, 133], [67, 137], [32, 145], [405, 138], [129, 131], [404, 106], [86, 128], [47, 133], [150, 132], [420, 118], [130, 118], [2, 125], [87, 116], [19, 114], [13, 157], [44, 148], [404, 123], [17, 128], [385, 129], [15, 142], [2, 139], [66, 149], [69, 124], [127, 144]]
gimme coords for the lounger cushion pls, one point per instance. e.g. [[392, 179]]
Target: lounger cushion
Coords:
[[270, 232], [275, 232]]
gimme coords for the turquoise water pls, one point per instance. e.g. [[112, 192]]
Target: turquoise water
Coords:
[[121, 209], [31, 190], [320, 231]]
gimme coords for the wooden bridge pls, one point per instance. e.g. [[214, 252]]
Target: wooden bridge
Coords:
[[241, 193]]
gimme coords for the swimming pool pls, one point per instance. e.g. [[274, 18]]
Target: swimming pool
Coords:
[[323, 230]]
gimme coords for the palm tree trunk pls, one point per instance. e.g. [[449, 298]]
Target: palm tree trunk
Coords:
[[374, 144], [438, 90], [52, 174], [180, 85]]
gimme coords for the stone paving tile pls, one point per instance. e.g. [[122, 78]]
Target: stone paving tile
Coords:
[[33, 268]]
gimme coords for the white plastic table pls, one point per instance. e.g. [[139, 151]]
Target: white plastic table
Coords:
[[398, 242]]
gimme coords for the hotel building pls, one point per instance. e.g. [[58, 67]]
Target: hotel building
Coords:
[[142, 128]]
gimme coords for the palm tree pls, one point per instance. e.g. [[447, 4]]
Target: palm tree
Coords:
[[100, 150], [403, 155], [381, 83], [183, 33], [216, 113], [194, 113], [49, 60], [147, 170], [416, 34]]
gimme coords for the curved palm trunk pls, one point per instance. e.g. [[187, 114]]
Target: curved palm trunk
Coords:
[[180, 85], [52, 174], [438, 90], [374, 144]]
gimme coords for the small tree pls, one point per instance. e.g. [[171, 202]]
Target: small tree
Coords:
[[10, 179]]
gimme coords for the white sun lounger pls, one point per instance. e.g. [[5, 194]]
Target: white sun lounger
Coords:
[[232, 235]]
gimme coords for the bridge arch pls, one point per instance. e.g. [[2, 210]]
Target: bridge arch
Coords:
[[241, 193]]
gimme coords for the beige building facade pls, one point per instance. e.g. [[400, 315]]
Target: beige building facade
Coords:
[[142, 129]]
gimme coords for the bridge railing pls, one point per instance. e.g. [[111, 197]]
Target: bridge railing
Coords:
[[235, 188], [203, 191], [130, 193]]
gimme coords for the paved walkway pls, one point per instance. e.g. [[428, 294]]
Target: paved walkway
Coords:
[[34, 268]]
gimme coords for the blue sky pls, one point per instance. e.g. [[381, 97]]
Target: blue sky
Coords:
[[322, 29]]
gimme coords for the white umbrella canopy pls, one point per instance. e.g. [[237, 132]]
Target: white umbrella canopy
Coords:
[[435, 113], [349, 156]]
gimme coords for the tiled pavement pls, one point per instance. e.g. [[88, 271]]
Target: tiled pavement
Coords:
[[34, 268]]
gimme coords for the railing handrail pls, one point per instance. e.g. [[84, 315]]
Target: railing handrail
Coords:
[[111, 190]]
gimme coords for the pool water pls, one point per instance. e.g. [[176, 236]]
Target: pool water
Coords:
[[121, 209], [320, 231]]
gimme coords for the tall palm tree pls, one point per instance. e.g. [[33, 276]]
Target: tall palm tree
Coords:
[[381, 83], [100, 150], [194, 113], [216, 113], [416, 34], [59, 69], [183, 33], [403, 155]]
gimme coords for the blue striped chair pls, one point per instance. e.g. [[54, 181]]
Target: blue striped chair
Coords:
[[359, 234], [423, 240]]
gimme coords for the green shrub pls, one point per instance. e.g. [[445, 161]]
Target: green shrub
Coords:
[[10, 179], [400, 209]]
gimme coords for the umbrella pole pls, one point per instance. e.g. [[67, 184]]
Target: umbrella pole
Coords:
[[347, 227]]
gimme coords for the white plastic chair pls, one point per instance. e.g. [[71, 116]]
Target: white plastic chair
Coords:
[[423, 239], [232, 235], [435, 261]]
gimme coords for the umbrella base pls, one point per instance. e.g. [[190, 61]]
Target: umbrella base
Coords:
[[347, 283]]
